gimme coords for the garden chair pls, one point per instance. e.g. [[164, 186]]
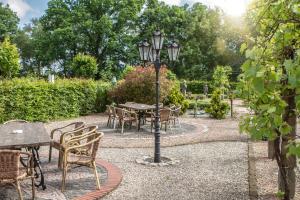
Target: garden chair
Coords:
[[11, 173], [81, 150], [111, 115], [175, 113], [164, 118], [126, 116], [57, 135]]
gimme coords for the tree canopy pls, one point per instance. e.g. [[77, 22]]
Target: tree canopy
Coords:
[[8, 21], [110, 30]]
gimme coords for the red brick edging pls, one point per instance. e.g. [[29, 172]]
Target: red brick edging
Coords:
[[114, 178]]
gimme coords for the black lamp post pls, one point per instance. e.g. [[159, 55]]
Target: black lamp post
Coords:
[[154, 57]]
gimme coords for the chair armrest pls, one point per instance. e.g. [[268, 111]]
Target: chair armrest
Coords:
[[61, 131]]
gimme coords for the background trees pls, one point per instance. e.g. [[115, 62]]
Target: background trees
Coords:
[[8, 22], [109, 30]]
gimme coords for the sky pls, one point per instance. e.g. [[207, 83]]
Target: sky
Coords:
[[28, 9]]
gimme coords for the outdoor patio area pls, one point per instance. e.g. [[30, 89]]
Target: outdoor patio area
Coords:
[[216, 160]]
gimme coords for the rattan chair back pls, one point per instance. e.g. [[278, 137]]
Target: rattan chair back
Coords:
[[9, 164]]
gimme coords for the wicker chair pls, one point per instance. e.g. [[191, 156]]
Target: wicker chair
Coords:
[[126, 116], [111, 115], [11, 173], [81, 150], [72, 134], [175, 113], [56, 141], [164, 118]]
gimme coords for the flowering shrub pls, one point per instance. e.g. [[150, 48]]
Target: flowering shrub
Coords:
[[139, 86]]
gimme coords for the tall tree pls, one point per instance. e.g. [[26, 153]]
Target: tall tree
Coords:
[[100, 28], [273, 74], [199, 53], [8, 22]]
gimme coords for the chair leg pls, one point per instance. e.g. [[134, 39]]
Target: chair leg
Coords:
[[19, 190], [64, 176], [108, 121], [166, 126], [96, 175], [60, 160], [33, 187], [151, 126], [50, 153], [122, 128]]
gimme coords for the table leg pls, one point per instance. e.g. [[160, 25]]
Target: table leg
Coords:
[[39, 175]]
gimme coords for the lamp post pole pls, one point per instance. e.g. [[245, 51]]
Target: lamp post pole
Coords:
[[157, 128]]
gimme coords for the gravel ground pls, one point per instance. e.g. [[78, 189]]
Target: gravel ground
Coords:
[[212, 171], [267, 173]]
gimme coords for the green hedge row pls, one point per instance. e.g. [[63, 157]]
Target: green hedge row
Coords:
[[38, 100], [197, 86]]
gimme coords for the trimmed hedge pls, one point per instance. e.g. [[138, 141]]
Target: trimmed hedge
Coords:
[[38, 100], [197, 86]]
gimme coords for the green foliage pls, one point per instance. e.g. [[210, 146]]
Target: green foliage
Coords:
[[221, 78], [139, 86], [84, 66], [9, 59], [126, 71], [217, 108], [38, 100], [199, 104], [272, 75], [197, 87], [266, 73], [176, 97], [8, 22]]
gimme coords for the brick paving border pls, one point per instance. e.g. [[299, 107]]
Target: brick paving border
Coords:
[[114, 178]]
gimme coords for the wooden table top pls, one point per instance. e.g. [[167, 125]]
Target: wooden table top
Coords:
[[33, 135], [137, 106]]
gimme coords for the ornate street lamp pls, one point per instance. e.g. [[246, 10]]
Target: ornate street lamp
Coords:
[[154, 57], [144, 48]]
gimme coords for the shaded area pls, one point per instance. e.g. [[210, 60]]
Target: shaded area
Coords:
[[80, 180]]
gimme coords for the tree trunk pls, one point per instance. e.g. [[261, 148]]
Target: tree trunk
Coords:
[[287, 164]]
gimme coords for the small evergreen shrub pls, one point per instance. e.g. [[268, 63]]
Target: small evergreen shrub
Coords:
[[84, 66], [217, 109]]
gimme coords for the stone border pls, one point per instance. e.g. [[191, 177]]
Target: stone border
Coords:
[[148, 142], [165, 161], [114, 178]]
